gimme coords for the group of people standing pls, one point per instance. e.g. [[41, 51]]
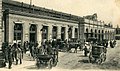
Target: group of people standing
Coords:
[[32, 47], [12, 53]]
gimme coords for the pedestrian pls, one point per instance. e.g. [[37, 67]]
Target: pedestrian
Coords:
[[85, 51], [106, 44], [9, 57], [111, 44], [6, 51], [24, 47]]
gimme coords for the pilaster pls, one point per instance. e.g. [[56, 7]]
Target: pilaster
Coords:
[[73, 32], [39, 34], [59, 32], [11, 31], [66, 32], [26, 27], [50, 32]]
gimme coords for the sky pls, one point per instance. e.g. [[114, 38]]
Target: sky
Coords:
[[107, 10]]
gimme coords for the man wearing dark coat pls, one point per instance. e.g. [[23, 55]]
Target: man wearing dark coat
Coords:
[[9, 57], [85, 51]]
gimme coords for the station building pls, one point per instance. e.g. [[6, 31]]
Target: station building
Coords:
[[92, 27], [24, 22]]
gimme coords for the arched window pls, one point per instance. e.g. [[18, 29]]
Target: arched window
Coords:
[[54, 32], [18, 32], [91, 32], [33, 33]]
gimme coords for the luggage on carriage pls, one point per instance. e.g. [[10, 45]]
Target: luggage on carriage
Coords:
[[97, 54], [47, 60]]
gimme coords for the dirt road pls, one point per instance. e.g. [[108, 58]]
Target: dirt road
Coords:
[[75, 61]]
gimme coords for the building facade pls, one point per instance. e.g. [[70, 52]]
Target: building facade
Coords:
[[35, 24], [91, 27], [23, 22]]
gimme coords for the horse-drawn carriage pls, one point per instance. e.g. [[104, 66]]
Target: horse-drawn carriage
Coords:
[[61, 44], [97, 54], [73, 43], [47, 60]]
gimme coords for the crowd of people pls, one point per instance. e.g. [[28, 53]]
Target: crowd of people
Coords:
[[14, 52]]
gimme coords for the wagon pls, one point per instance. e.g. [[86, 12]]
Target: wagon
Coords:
[[73, 43], [97, 54], [44, 60]]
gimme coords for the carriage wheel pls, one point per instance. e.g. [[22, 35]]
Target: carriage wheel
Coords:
[[90, 58], [50, 63], [38, 63], [99, 61], [104, 58], [55, 62]]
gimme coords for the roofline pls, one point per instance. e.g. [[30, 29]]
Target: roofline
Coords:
[[37, 7], [38, 16]]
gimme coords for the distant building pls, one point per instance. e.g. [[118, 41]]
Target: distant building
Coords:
[[91, 27], [117, 36]]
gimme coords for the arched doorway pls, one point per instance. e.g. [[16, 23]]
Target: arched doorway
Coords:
[[105, 34], [18, 33], [33, 33], [102, 34], [63, 33], [95, 33], [70, 32], [54, 32], [91, 34], [76, 32], [99, 35], [44, 33], [108, 35], [87, 33]]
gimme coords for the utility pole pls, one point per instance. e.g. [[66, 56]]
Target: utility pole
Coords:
[[30, 5]]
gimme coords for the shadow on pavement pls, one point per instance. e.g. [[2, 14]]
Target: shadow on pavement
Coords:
[[83, 61], [34, 67], [31, 67]]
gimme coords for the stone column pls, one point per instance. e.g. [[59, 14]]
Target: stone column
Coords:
[[11, 31], [73, 32], [66, 32], [59, 32], [3, 30], [105, 35], [50, 32], [1, 14], [1, 54], [26, 31], [39, 34], [0, 23]]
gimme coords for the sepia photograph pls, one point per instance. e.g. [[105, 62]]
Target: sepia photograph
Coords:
[[59, 35]]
